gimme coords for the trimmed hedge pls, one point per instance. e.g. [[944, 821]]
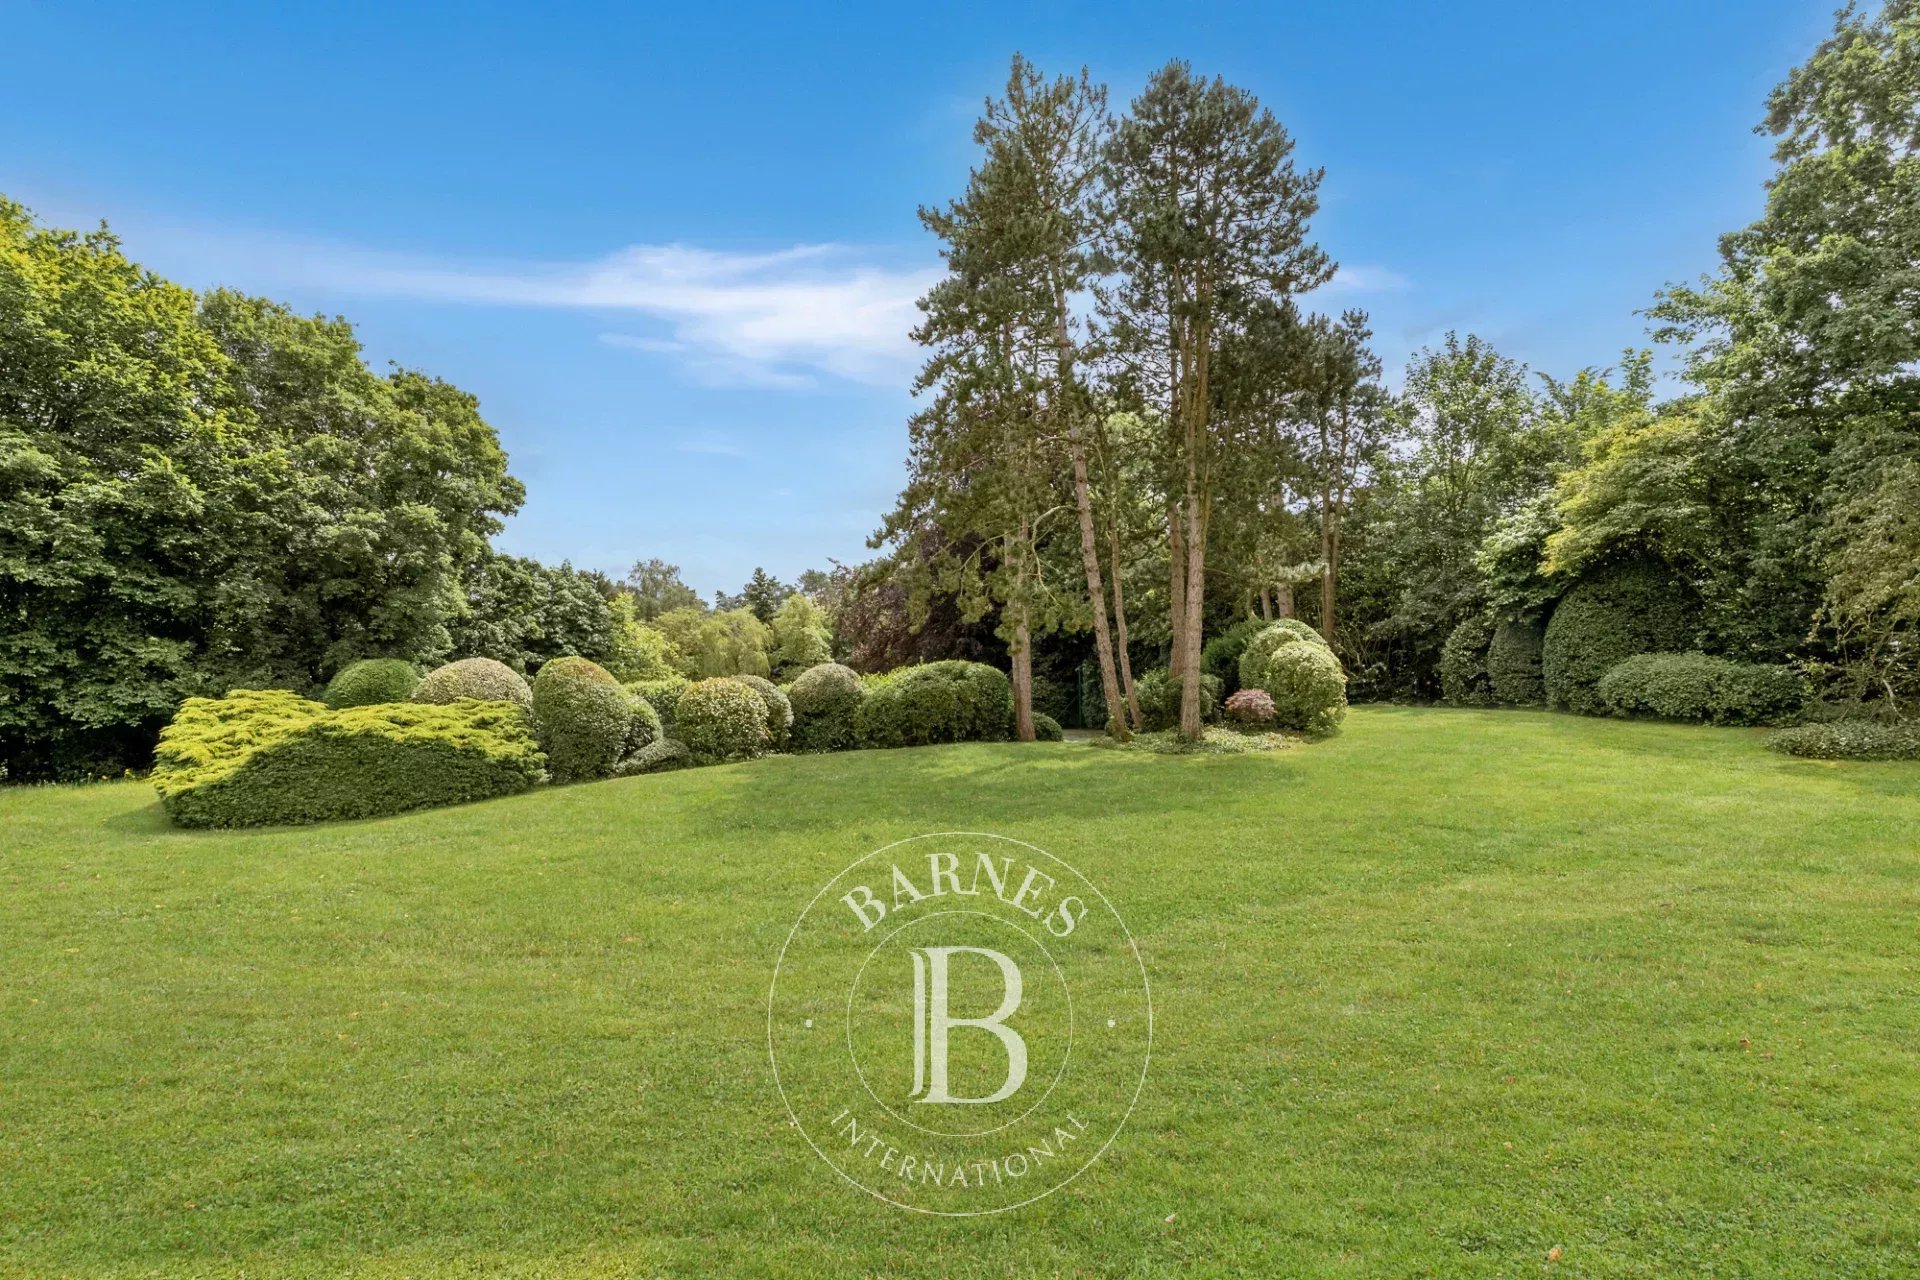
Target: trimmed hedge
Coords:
[[663, 695], [723, 719], [1849, 740], [1264, 642], [1464, 677], [643, 725], [583, 715], [1694, 686], [656, 757], [779, 709], [1220, 656], [1047, 729], [1605, 619], [1159, 696], [1308, 687], [950, 701], [1513, 665], [370, 681], [479, 678], [259, 758], [824, 700]]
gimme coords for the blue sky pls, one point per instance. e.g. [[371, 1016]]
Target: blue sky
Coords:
[[674, 250]]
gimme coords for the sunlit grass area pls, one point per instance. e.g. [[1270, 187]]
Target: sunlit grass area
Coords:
[[1441, 995]]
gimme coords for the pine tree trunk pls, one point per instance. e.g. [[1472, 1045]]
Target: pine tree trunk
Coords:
[[1194, 598], [1096, 590], [1120, 631], [1022, 677], [1329, 568], [1176, 587], [1283, 600]]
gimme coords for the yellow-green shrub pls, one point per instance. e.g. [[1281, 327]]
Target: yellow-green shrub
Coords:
[[265, 757], [371, 680], [582, 715]]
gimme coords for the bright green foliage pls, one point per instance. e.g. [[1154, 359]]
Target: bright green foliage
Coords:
[[949, 701], [639, 650], [1694, 686], [1047, 729], [481, 678], [1465, 680], [779, 709], [824, 700], [1308, 687], [1159, 697], [722, 719], [1513, 664], [1220, 656], [583, 716], [1262, 644], [260, 758], [371, 680], [1850, 740], [663, 695], [802, 637], [1622, 610], [729, 643]]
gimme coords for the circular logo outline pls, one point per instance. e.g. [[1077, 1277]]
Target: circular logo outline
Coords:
[[1146, 1057]]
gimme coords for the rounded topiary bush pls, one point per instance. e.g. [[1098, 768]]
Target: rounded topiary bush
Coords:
[[644, 727], [481, 678], [663, 695], [1159, 696], [948, 701], [722, 719], [1606, 618], [1264, 642], [1694, 686], [1513, 665], [370, 681], [1252, 708], [779, 709], [824, 699], [1464, 679], [1308, 687], [582, 715], [1047, 729]]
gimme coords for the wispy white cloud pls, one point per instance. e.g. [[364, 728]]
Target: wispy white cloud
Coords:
[[1365, 278]]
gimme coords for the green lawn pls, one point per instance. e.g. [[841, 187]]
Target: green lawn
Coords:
[[1436, 997]]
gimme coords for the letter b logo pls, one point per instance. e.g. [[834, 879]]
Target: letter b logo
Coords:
[[933, 1020]]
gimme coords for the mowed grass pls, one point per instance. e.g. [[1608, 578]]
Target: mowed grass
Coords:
[[1440, 996]]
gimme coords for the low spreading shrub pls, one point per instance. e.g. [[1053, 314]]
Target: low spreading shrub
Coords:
[[1694, 686], [656, 757], [1464, 678], [1850, 740], [1513, 665], [1159, 696], [1047, 729], [582, 714], [948, 701], [480, 678], [1307, 685], [824, 700], [258, 758], [779, 709], [1262, 644], [722, 719], [369, 681], [1252, 708], [1605, 619]]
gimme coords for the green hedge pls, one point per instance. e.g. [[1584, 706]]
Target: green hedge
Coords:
[[1513, 665], [644, 727], [1265, 642], [1047, 729], [1605, 619], [1465, 680], [370, 681], [1694, 686], [723, 719], [779, 710], [1159, 696], [1220, 656], [583, 716], [824, 699], [949, 701], [663, 695], [479, 678], [1308, 687], [1849, 740], [657, 756], [258, 758]]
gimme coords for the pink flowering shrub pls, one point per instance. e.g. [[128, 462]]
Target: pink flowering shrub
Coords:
[[1251, 707]]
